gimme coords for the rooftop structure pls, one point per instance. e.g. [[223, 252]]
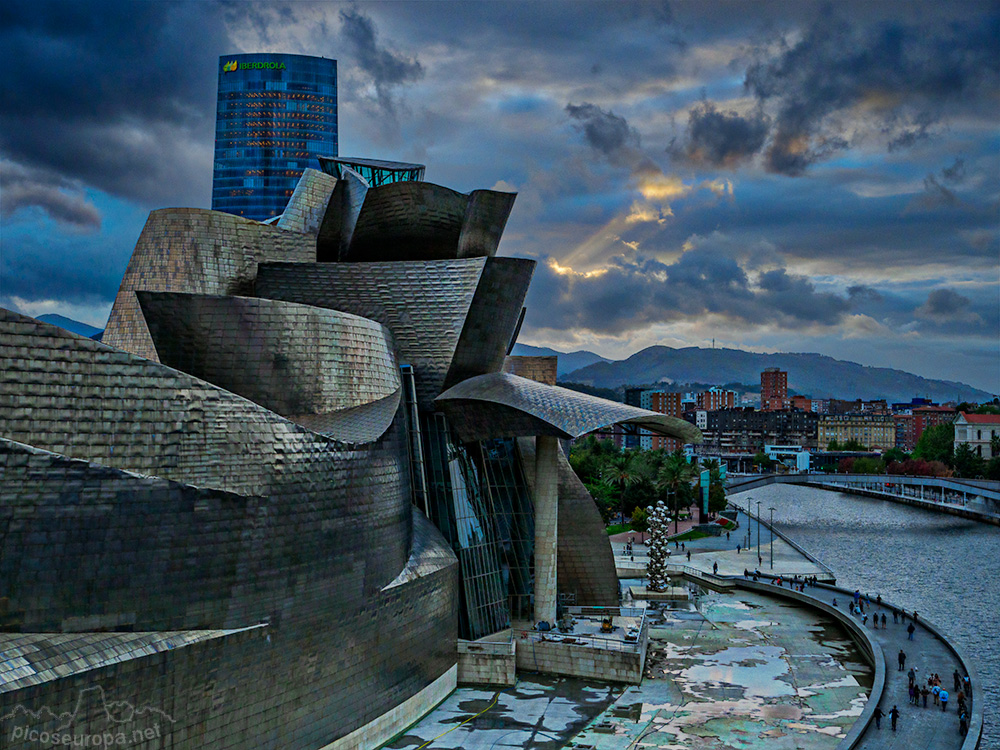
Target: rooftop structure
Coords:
[[375, 172]]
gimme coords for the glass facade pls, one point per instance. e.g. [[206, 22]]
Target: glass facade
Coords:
[[480, 500], [375, 172], [515, 521], [276, 115]]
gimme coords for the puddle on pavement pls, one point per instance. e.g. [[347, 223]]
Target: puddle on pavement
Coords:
[[742, 671]]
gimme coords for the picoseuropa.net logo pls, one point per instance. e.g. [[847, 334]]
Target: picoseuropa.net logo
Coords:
[[124, 724]]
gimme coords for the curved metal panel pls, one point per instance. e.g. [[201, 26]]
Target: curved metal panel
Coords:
[[198, 251], [307, 206], [408, 221], [91, 402], [423, 303], [504, 405], [341, 216], [484, 222], [423, 221], [304, 363], [205, 512], [492, 318]]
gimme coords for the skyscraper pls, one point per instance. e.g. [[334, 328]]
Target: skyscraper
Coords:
[[276, 115]]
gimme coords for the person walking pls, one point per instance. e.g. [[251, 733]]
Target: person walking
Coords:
[[909, 631], [883, 621], [902, 660], [878, 714], [957, 679], [943, 697], [895, 616], [912, 676], [894, 715], [936, 690], [689, 555], [925, 692], [715, 568], [963, 723]]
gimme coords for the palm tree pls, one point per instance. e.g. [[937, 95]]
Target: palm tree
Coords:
[[675, 478], [619, 472]]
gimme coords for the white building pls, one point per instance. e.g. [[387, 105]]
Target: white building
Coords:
[[976, 431]]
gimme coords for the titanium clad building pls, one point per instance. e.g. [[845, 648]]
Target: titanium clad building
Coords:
[[276, 115]]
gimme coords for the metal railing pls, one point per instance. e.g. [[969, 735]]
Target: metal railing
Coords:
[[594, 640]]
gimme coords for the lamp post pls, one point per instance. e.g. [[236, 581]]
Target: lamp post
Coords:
[[749, 530], [758, 531], [772, 536]]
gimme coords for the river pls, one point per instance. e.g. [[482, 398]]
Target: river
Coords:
[[946, 568]]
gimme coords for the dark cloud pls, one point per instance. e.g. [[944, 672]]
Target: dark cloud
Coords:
[[636, 291], [906, 76], [604, 130], [64, 201], [797, 298], [116, 95], [956, 172], [944, 303], [936, 195], [862, 293], [386, 69], [723, 138]]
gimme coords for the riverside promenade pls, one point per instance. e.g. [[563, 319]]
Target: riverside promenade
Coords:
[[929, 651]]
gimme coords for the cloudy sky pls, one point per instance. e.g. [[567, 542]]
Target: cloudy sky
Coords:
[[776, 176]]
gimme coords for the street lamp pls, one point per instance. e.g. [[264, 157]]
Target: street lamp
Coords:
[[749, 529], [772, 536], [758, 532]]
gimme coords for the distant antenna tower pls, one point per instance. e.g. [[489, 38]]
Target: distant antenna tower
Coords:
[[713, 343]]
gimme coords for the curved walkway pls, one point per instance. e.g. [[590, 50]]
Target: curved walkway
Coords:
[[918, 727]]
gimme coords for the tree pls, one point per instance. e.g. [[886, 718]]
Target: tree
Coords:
[[937, 443], [619, 473], [853, 445], [832, 446], [993, 468], [894, 455], [640, 520], [675, 479], [865, 465], [604, 497], [762, 460], [968, 463], [716, 498]]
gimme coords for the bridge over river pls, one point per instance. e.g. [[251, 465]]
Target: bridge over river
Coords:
[[976, 499]]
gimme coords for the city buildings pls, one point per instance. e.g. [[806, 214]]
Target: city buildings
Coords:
[[663, 402], [716, 398], [978, 431], [911, 425], [773, 389], [873, 431], [265, 509], [276, 114], [748, 431]]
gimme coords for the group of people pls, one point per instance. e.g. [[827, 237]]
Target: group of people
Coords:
[[937, 692]]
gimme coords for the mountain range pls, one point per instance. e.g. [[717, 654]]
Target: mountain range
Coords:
[[68, 324], [567, 363], [814, 375]]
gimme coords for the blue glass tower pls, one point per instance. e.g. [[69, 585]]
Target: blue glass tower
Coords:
[[276, 115]]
